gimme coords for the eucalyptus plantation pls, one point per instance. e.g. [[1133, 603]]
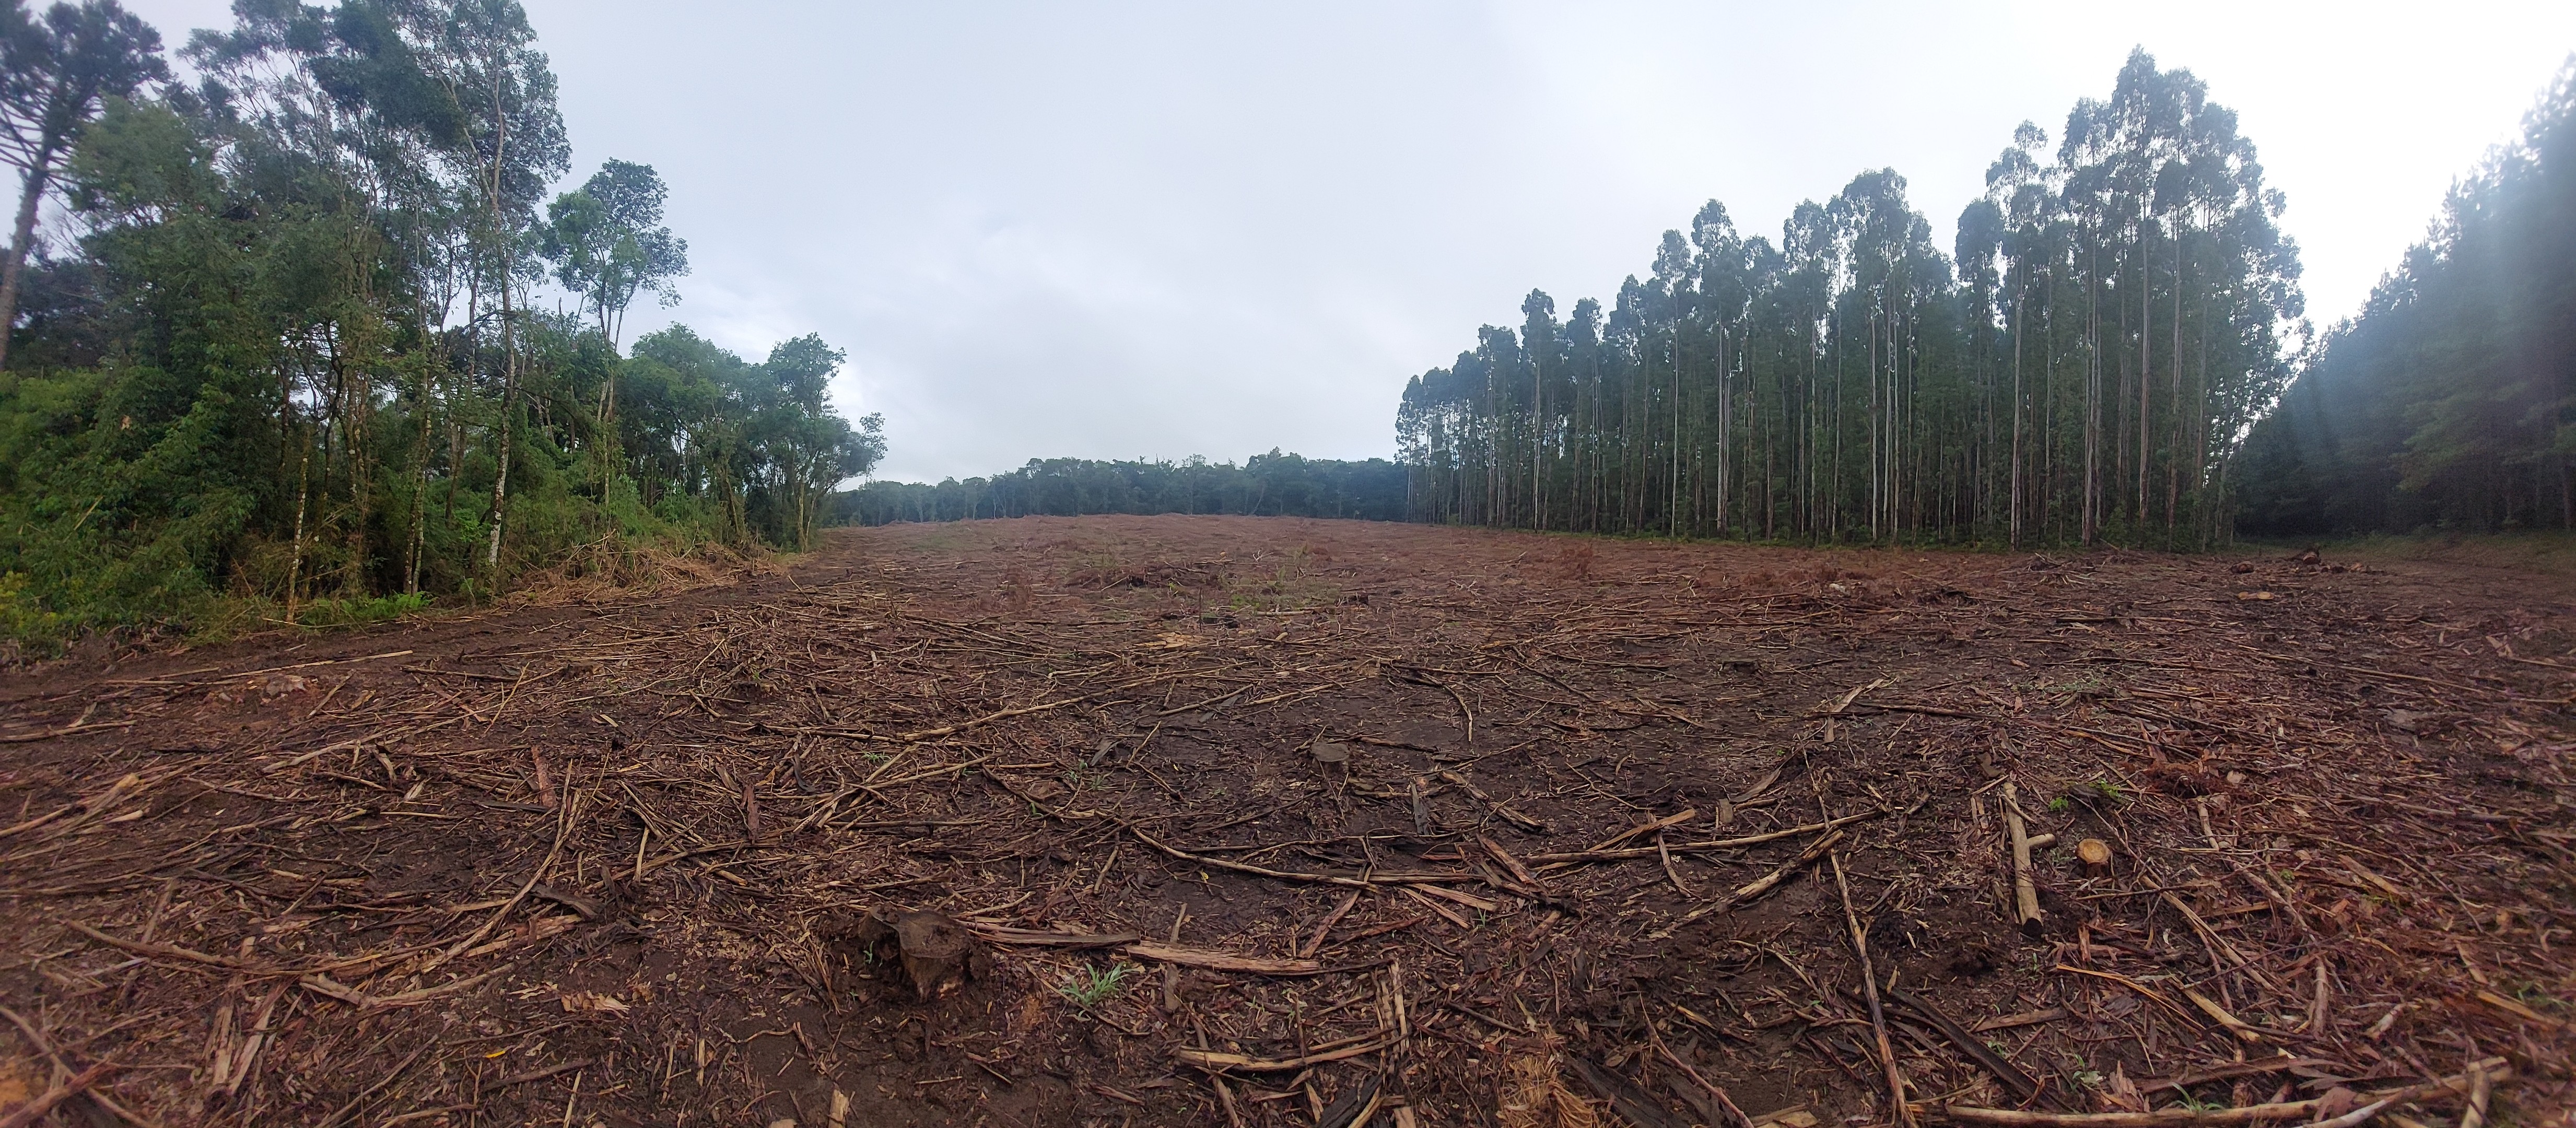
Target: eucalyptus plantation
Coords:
[[2079, 369]]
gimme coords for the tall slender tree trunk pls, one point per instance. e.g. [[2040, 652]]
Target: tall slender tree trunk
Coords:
[[1538, 439], [2013, 486], [1725, 433], [1673, 519], [509, 347], [295, 556], [2173, 462], [509, 404], [1877, 459], [2093, 402], [31, 194], [2146, 363]]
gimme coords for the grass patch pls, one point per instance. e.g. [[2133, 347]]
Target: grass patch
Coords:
[[1091, 986]]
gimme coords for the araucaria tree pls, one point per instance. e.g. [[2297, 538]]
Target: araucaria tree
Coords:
[[57, 73], [293, 349], [2081, 369]]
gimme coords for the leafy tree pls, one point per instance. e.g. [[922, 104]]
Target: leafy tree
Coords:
[[291, 354], [607, 243]]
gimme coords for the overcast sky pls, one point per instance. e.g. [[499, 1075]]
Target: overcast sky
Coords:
[[1123, 230]]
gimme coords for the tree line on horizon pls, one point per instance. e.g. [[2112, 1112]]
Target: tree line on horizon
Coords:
[[1266, 485], [288, 348], [2111, 318]]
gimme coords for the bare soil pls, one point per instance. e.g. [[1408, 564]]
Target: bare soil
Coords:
[[1168, 821]]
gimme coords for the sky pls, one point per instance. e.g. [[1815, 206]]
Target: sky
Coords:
[[1122, 230]]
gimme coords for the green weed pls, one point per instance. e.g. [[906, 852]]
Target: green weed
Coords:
[[1091, 986]]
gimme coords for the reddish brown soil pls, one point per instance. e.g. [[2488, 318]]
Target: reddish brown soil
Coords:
[[248, 855]]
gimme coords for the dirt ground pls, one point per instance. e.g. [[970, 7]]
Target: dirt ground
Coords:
[[1194, 821]]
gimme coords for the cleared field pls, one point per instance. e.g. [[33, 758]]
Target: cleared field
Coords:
[[1282, 822]]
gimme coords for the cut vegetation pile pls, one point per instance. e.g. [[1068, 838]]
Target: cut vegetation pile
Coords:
[[1182, 821]]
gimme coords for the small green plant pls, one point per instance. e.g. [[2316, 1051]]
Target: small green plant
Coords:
[[2058, 804], [2082, 686], [2089, 1078], [1090, 986]]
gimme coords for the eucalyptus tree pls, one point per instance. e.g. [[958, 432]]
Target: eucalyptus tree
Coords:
[[607, 244], [1542, 349], [1725, 285]]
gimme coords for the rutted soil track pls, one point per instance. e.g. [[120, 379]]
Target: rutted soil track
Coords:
[[1447, 824]]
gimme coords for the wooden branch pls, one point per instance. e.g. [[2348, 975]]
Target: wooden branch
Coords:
[[166, 951], [2025, 892], [1758, 886], [2023, 1084], [1210, 1060], [1647, 827], [44, 1102], [1559, 861], [1514, 817], [2495, 1069], [1221, 961], [1877, 1011]]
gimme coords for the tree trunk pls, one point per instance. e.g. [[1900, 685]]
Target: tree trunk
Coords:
[[2146, 366], [509, 401], [295, 556], [31, 193], [2093, 404], [2013, 487], [2173, 461]]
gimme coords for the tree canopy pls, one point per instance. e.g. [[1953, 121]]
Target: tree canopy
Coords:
[[1266, 485], [287, 355]]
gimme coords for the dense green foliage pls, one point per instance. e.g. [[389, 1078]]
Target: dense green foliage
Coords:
[[2112, 320], [2449, 402], [1266, 485], [288, 353]]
